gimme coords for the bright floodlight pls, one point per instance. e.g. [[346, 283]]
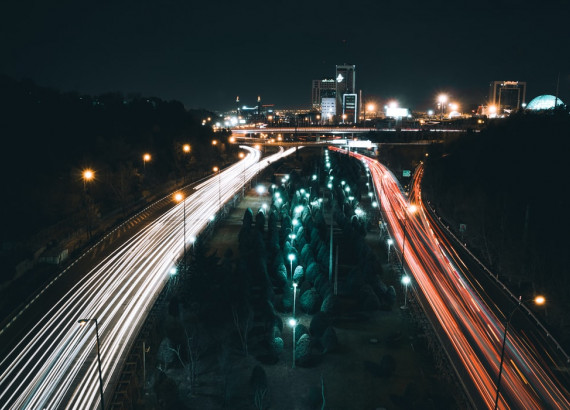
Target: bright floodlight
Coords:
[[406, 280], [260, 189], [390, 241], [291, 257], [412, 208], [314, 177], [329, 185], [178, 197], [186, 148], [292, 322], [146, 157], [371, 107], [539, 300], [295, 222], [88, 175], [374, 204], [173, 271], [192, 239], [442, 98]]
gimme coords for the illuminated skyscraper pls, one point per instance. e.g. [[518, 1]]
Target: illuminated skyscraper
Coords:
[[345, 84]]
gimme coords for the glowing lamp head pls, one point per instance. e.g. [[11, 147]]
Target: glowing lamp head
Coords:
[[390, 241], [539, 300], [406, 280], [88, 175], [412, 209], [146, 157], [215, 169], [241, 155], [442, 98], [186, 148], [292, 322], [291, 257], [178, 197]]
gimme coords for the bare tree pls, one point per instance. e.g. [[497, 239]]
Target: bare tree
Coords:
[[259, 398], [242, 325], [194, 352]]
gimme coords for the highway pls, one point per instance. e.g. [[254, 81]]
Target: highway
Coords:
[[54, 364], [468, 321]]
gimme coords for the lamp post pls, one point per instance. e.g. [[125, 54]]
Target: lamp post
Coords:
[[538, 300], [216, 169], [294, 298], [260, 190], [186, 150], [82, 322], [242, 156], [441, 99], [146, 158], [291, 258], [180, 197], [405, 281], [88, 176], [293, 324]]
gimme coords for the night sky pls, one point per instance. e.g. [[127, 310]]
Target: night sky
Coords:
[[206, 53]]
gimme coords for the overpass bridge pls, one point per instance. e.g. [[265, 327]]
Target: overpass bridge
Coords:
[[334, 130]]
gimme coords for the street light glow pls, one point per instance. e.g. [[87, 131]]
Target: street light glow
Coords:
[[88, 175], [186, 148], [539, 300], [406, 280], [146, 157]]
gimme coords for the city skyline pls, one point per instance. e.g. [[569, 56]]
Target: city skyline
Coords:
[[206, 54]]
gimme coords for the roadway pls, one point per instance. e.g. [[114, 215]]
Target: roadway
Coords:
[[468, 320], [53, 364]]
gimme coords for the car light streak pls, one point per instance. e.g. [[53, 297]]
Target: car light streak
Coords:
[[54, 364], [471, 331]]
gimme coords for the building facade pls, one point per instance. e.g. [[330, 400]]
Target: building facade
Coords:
[[325, 88], [345, 79], [507, 96]]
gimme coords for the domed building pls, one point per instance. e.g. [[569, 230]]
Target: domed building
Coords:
[[544, 102]]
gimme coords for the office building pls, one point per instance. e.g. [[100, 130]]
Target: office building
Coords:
[[328, 109], [325, 88], [350, 108], [345, 84], [507, 96]]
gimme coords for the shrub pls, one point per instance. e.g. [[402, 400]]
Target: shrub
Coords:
[[328, 305], [329, 341], [300, 330], [299, 274], [319, 323], [311, 301], [303, 349], [276, 346]]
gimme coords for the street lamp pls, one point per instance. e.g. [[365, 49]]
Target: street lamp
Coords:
[[88, 176], [405, 281], [442, 99], [260, 190], [242, 156], [216, 169], [186, 150], [294, 297], [293, 324], [82, 322], [291, 258], [538, 300], [146, 158], [180, 197]]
